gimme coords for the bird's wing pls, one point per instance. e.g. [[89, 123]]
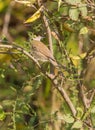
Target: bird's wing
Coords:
[[43, 49]]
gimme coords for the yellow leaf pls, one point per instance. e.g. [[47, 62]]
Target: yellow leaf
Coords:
[[84, 30], [6, 55], [35, 16], [5, 58], [74, 57], [82, 55], [67, 27], [75, 60], [72, 44]]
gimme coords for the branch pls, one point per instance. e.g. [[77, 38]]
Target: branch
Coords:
[[7, 21], [18, 48], [50, 76], [92, 96], [84, 98], [67, 99], [48, 30]]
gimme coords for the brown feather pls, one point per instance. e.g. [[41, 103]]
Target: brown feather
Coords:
[[41, 52]]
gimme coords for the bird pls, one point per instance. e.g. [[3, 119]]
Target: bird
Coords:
[[42, 53]]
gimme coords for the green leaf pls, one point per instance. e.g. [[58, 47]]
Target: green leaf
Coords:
[[79, 113], [93, 110], [2, 114], [59, 4], [77, 125], [73, 2], [72, 44], [75, 60], [25, 109], [68, 118], [51, 5], [83, 10], [74, 14], [7, 103]]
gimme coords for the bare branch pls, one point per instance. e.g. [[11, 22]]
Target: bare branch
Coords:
[[67, 99], [46, 24]]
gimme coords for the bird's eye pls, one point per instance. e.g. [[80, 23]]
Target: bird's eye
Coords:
[[33, 47]]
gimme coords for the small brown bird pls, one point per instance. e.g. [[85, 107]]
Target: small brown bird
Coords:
[[41, 52]]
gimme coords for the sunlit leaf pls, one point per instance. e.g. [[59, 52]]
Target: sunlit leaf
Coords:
[[74, 57], [7, 103], [27, 89], [73, 2], [79, 112], [82, 55], [2, 114], [75, 60], [83, 30], [35, 16], [77, 125], [1, 5], [83, 10], [74, 14], [2, 75], [4, 4], [68, 118], [72, 44], [93, 110], [59, 3]]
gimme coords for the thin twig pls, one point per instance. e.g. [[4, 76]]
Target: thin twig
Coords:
[[21, 50], [50, 76], [9, 53], [46, 24], [48, 31], [92, 96], [7, 21], [83, 96]]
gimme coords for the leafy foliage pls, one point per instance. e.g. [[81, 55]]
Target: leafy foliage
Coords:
[[29, 100]]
